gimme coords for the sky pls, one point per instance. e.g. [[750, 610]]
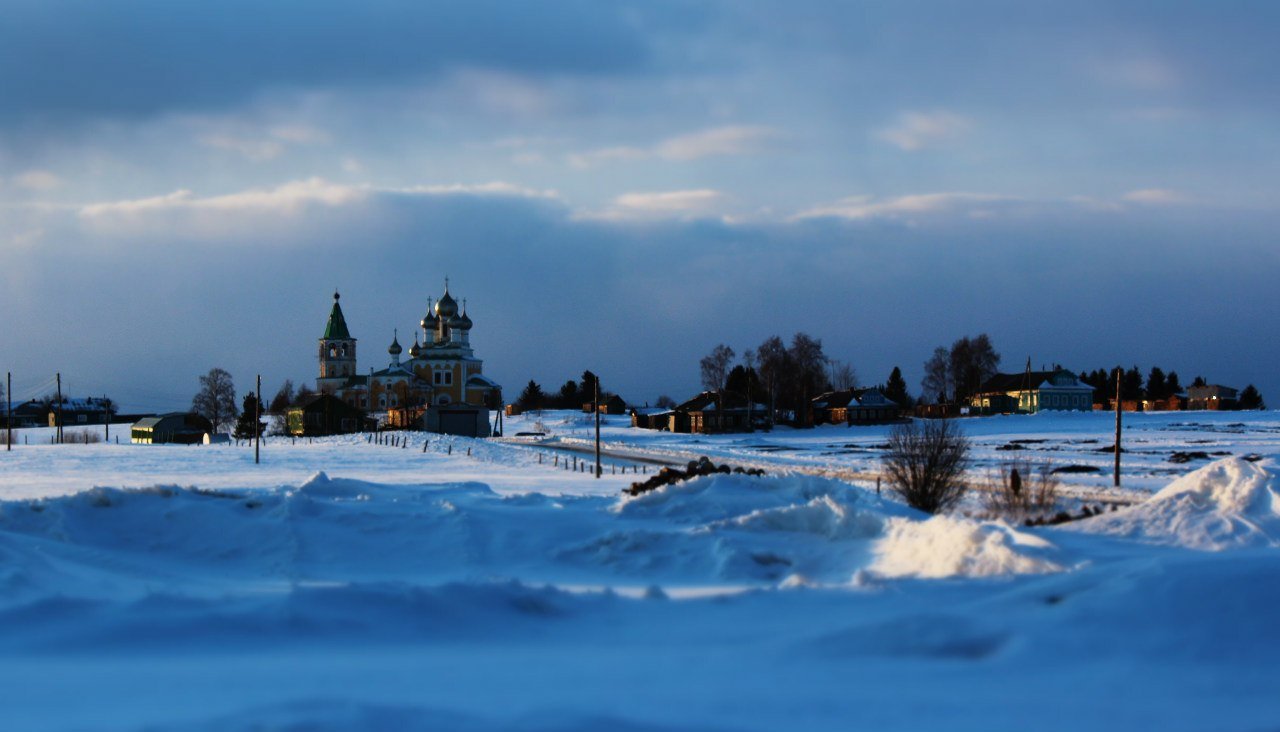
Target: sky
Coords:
[[621, 186]]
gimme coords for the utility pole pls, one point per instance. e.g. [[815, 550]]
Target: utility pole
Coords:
[[8, 395], [1119, 373], [106, 419], [596, 404], [58, 410], [257, 421]]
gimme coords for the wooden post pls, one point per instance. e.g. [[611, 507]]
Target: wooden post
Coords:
[[58, 410], [8, 395], [257, 422], [596, 404], [1119, 373], [106, 420]]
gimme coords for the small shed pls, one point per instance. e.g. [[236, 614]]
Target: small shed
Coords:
[[650, 418], [610, 404], [176, 428]]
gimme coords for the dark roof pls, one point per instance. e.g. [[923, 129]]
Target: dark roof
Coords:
[[336, 330], [706, 401], [834, 399], [1024, 380]]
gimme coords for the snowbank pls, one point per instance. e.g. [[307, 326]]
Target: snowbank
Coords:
[[945, 546], [1226, 504]]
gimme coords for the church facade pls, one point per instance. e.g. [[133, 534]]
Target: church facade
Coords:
[[441, 386]]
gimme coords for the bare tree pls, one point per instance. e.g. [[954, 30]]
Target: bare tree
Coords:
[[926, 463], [715, 367], [936, 384], [842, 375], [664, 402], [216, 400], [972, 361], [772, 356]]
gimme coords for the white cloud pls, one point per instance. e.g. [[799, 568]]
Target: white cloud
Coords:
[[1155, 197], [868, 207], [301, 134], [294, 195], [917, 130], [734, 140], [38, 180], [285, 198], [261, 147], [255, 150], [605, 155], [718, 141], [686, 204]]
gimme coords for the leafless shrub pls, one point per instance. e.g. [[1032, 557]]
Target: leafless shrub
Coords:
[[925, 463], [1020, 489]]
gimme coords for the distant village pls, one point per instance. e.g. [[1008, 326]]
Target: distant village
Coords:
[[437, 384]]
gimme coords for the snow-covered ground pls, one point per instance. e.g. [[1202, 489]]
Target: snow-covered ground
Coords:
[[348, 585]]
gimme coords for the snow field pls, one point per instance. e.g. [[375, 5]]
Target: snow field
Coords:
[[343, 585]]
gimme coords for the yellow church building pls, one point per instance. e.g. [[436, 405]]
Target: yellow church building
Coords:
[[441, 387]]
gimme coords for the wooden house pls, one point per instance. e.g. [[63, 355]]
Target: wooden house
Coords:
[[325, 414]]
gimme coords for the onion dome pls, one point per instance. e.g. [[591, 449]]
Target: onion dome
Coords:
[[415, 350], [462, 321], [429, 323], [395, 349], [447, 307]]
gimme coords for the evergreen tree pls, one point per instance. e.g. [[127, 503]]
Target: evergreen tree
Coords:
[[1199, 381], [743, 381], [587, 391], [896, 388], [532, 397], [1157, 387], [664, 402], [1251, 399], [1131, 385], [303, 394], [245, 424], [1171, 384], [568, 398], [283, 399]]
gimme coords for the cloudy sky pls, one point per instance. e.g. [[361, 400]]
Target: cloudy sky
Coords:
[[620, 186]]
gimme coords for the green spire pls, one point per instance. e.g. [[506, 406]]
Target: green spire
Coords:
[[336, 330]]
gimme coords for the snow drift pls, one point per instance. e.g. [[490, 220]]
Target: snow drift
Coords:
[[1229, 503], [946, 546]]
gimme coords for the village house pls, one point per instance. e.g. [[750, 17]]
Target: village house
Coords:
[[704, 414], [1213, 397], [854, 406], [1032, 391], [325, 414], [80, 411], [650, 418], [610, 404]]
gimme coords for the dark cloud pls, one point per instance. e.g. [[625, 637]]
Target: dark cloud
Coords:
[[141, 314], [69, 59]]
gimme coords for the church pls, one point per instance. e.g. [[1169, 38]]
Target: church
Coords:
[[441, 387]]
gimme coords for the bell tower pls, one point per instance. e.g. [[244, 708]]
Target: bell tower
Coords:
[[337, 351]]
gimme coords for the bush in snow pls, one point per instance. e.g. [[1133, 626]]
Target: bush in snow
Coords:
[[695, 468], [925, 463], [1020, 489]]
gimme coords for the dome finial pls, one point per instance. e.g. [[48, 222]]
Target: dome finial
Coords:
[[336, 296]]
